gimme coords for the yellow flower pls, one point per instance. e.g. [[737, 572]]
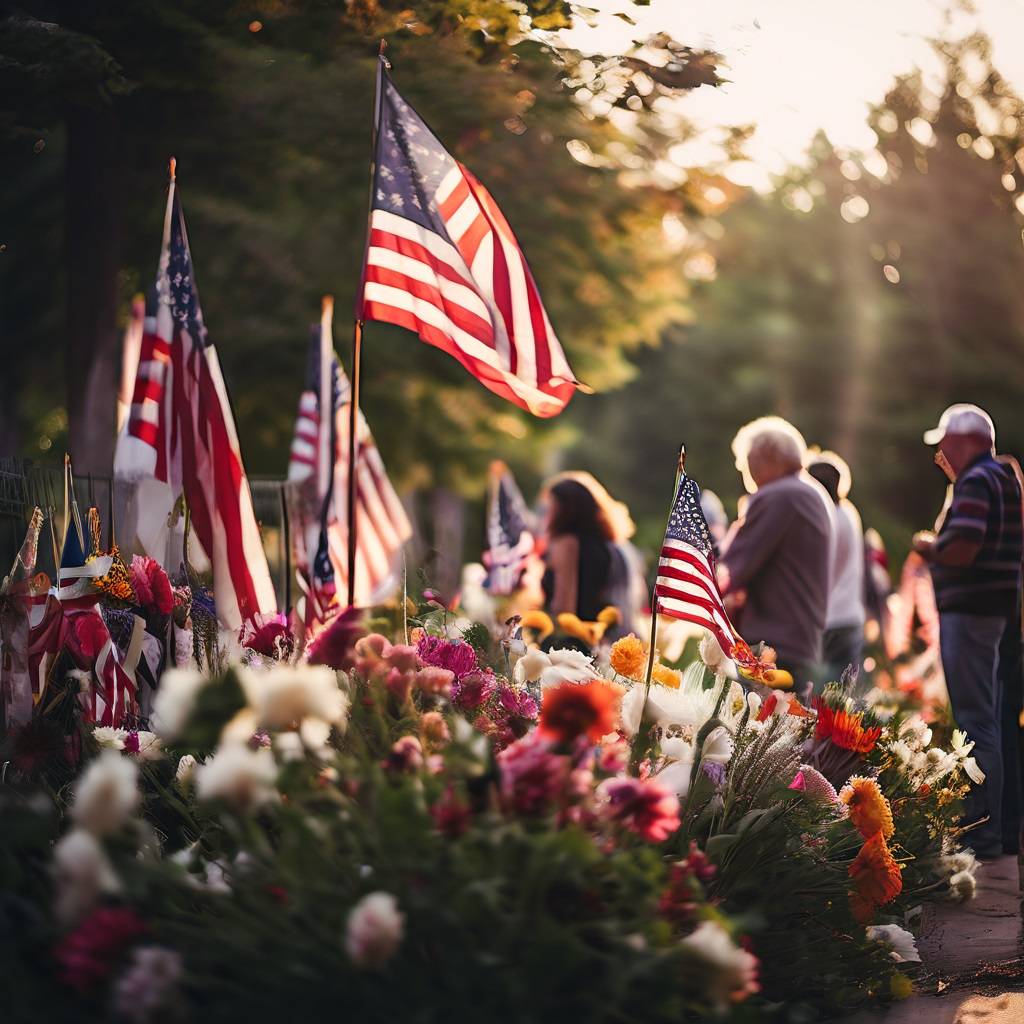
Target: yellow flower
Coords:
[[628, 656], [610, 616], [901, 986], [589, 632], [666, 676], [539, 621], [869, 810]]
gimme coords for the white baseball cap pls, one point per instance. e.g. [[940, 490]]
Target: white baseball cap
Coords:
[[962, 418]]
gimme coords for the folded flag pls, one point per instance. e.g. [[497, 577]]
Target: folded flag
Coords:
[[319, 465], [442, 261], [180, 438]]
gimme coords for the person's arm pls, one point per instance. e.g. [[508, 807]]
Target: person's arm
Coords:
[[963, 532], [564, 560], [754, 542]]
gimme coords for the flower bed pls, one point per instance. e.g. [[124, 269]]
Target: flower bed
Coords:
[[458, 828]]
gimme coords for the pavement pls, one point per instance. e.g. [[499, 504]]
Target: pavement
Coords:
[[973, 958]]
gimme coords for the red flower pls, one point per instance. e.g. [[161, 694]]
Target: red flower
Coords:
[[334, 644], [647, 809], [845, 728], [451, 815], [151, 585], [89, 954], [574, 709]]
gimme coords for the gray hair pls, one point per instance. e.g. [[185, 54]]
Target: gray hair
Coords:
[[771, 438]]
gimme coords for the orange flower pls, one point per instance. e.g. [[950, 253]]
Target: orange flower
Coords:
[[869, 810], [845, 729], [627, 656], [589, 632], [876, 878], [667, 676], [580, 709]]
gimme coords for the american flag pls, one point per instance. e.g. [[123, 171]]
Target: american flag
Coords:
[[180, 432], [509, 538], [319, 464], [441, 260], [685, 587]]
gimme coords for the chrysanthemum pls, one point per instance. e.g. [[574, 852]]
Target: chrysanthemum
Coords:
[[667, 676], [869, 810], [876, 878], [845, 728], [628, 656], [574, 709], [646, 808]]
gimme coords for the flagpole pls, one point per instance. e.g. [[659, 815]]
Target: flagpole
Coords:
[[357, 346]]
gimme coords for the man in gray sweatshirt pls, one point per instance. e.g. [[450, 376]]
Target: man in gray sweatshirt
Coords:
[[777, 560]]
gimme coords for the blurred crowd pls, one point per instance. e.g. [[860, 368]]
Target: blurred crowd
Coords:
[[799, 574]]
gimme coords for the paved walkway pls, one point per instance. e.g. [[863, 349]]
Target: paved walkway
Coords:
[[973, 956]]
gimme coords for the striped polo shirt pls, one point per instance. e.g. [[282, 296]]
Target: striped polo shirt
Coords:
[[986, 507]]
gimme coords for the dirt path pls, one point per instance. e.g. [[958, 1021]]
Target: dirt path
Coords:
[[973, 956]]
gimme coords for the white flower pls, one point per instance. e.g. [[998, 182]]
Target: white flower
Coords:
[[112, 739], [973, 769], [175, 699], [150, 748], [148, 984], [733, 971], [961, 748], [715, 658], [186, 766], [962, 860], [675, 777], [915, 730], [675, 748], [106, 794], [288, 746], [962, 886], [315, 733], [718, 746], [631, 709], [901, 943], [81, 874], [375, 929], [940, 763], [286, 694], [901, 749], [235, 773], [240, 727], [565, 665]]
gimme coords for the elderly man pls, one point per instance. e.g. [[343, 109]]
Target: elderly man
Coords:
[[776, 562], [976, 568]]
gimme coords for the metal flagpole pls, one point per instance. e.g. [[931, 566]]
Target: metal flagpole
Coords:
[[357, 347]]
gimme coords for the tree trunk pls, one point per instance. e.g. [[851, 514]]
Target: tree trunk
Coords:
[[449, 512], [93, 260]]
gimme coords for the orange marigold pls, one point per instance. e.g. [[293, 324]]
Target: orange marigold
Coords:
[[666, 676], [589, 709], [628, 656], [876, 878], [869, 810]]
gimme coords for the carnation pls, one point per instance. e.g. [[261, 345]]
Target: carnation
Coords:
[[533, 776], [239, 775], [106, 795], [456, 656], [87, 956], [732, 972], [646, 808], [81, 873], [286, 694], [374, 930]]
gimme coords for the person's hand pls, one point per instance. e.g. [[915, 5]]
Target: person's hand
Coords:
[[734, 601], [923, 542]]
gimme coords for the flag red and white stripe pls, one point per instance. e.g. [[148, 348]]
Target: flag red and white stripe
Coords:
[[442, 261], [180, 432]]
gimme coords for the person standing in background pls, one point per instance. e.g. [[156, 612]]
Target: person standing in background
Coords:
[[843, 642], [775, 569], [975, 561]]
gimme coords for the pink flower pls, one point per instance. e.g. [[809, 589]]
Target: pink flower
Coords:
[[88, 955], [334, 643], [518, 703], [403, 657], [455, 655], [532, 776], [375, 930], [398, 683], [268, 635], [646, 808], [435, 681], [451, 815], [406, 755], [151, 585], [612, 755], [473, 689], [810, 781]]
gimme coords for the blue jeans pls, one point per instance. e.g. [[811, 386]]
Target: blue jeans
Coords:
[[970, 661]]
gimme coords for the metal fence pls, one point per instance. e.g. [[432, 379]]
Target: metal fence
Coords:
[[25, 483]]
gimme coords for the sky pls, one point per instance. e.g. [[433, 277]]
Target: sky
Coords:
[[795, 66]]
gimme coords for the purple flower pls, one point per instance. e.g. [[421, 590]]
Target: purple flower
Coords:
[[455, 655], [472, 690], [714, 770], [518, 703]]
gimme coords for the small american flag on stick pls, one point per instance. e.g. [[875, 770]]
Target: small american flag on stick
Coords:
[[686, 587], [442, 261]]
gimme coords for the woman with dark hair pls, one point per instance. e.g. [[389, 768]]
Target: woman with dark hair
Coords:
[[578, 557]]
